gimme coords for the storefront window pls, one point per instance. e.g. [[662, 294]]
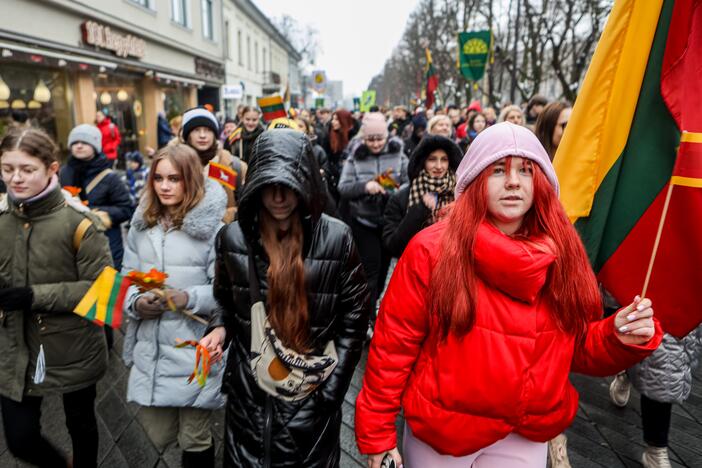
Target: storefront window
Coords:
[[173, 101], [119, 98], [39, 96]]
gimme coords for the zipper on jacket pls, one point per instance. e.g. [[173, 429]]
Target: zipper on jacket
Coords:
[[158, 325], [267, 434]]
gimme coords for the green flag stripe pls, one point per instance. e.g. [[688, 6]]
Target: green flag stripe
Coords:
[[273, 108], [114, 294], [644, 167], [92, 312]]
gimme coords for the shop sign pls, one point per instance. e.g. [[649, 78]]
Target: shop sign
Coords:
[[103, 37], [209, 69], [232, 92]]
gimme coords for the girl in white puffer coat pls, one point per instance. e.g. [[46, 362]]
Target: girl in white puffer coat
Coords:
[[173, 231]]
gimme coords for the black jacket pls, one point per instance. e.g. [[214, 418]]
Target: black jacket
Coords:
[[262, 430], [111, 195], [401, 223]]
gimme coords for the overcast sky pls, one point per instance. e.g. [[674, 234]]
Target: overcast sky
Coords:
[[356, 36]]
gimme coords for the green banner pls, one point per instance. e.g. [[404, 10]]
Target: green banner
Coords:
[[367, 100], [473, 53], [357, 104], [319, 102]]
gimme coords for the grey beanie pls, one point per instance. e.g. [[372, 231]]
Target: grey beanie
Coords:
[[86, 133]]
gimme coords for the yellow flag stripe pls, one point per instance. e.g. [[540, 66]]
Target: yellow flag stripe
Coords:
[[269, 101], [691, 137], [98, 296], [599, 127], [107, 280], [686, 181]]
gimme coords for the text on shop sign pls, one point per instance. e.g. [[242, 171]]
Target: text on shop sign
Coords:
[[97, 35]]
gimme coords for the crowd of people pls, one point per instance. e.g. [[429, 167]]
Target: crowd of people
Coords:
[[435, 235]]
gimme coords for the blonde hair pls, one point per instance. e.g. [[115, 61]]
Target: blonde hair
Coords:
[[507, 109], [435, 120]]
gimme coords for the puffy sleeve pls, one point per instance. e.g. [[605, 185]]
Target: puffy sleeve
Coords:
[[400, 331], [602, 353], [353, 310]]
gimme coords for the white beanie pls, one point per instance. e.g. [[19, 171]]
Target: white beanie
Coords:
[[86, 133]]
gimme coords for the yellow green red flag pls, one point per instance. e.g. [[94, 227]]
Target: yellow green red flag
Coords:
[[103, 302]]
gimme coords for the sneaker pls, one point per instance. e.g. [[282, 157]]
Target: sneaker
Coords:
[[558, 452], [620, 390], [655, 457]]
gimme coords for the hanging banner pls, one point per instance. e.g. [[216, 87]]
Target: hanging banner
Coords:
[[356, 104], [367, 100], [319, 81], [473, 53]]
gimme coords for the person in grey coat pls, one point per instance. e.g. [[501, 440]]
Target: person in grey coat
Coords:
[[662, 379], [173, 230], [359, 185]]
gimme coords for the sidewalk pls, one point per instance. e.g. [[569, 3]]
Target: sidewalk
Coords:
[[601, 436]]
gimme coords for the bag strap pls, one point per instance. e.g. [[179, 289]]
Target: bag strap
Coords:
[[254, 286], [80, 232], [96, 180]]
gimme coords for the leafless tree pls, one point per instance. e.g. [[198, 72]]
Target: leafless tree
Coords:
[[539, 46]]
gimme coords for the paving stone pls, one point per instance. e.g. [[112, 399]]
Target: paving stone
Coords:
[[136, 447], [114, 413]]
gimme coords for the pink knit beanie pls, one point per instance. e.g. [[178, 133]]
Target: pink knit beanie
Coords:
[[374, 124], [496, 142]]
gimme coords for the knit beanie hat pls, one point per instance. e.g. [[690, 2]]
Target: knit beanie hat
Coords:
[[199, 117], [419, 121], [374, 124], [135, 156], [86, 133], [499, 141]]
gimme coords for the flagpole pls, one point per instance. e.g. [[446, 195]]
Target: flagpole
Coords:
[[658, 239]]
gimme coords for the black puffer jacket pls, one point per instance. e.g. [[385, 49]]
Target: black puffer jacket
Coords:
[[401, 223], [263, 430]]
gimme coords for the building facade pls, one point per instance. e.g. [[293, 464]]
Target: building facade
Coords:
[[62, 60], [258, 59]]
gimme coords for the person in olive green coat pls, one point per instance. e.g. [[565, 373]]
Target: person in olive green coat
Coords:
[[52, 252]]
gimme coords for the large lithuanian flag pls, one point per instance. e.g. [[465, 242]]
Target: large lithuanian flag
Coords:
[[634, 141]]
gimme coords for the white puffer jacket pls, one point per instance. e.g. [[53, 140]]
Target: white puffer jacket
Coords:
[[159, 372]]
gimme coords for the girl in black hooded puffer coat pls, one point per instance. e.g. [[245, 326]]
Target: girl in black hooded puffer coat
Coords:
[[284, 255]]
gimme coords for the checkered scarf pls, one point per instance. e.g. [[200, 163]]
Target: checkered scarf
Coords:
[[443, 188]]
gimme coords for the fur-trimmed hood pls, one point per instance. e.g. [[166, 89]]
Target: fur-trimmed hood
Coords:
[[394, 145], [201, 222]]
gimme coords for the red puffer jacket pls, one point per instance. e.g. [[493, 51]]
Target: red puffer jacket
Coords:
[[111, 138], [508, 374]]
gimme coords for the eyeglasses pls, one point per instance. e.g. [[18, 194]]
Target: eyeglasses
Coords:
[[373, 138]]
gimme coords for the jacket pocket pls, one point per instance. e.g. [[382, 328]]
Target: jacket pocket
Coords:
[[69, 339]]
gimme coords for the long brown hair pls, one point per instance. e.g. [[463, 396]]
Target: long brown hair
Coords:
[[546, 125], [287, 296], [571, 288], [186, 161], [32, 141]]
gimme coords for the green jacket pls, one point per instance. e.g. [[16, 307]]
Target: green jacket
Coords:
[[38, 251]]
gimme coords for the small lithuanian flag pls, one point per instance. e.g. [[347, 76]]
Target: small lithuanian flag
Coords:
[[103, 302], [272, 107]]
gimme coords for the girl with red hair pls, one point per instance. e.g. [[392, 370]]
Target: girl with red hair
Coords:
[[486, 314]]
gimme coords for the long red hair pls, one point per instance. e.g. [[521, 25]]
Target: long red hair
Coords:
[[571, 288], [338, 139], [287, 296]]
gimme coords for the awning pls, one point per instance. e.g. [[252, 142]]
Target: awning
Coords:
[[181, 79], [58, 55]]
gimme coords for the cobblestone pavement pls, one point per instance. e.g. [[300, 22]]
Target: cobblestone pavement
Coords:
[[601, 436]]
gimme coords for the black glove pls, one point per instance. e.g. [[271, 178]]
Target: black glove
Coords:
[[16, 298]]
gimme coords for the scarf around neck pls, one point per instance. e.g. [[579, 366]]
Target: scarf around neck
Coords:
[[442, 187]]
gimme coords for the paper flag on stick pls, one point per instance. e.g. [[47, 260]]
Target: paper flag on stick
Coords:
[[103, 302]]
